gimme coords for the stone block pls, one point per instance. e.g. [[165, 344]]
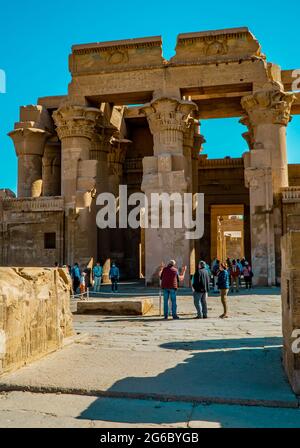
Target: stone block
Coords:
[[209, 46], [117, 307], [150, 165], [35, 314], [164, 163]]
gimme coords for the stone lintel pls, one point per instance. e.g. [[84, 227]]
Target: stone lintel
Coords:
[[230, 162]]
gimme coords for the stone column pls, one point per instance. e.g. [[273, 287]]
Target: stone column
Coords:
[[75, 128], [192, 146], [100, 148], [167, 171], [116, 159], [51, 168], [268, 113], [29, 145]]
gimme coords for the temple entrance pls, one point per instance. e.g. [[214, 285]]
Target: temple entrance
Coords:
[[227, 232]]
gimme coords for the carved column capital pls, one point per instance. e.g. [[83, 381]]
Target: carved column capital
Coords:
[[169, 119], [271, 105], [29, 141], [75, 121], [167, 114], [198, 143], [117, 154]]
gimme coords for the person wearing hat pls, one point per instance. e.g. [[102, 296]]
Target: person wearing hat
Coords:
[[200, 288], [170, 278]]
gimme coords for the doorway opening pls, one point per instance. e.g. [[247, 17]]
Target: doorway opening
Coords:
[[227, 232]]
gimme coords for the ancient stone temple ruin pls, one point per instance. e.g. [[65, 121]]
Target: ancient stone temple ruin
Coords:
[[131, 117]]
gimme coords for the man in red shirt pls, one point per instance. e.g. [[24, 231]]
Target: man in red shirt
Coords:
[[169, 283]]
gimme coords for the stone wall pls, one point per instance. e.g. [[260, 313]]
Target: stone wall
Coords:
[[291, 283], [24, 225], [35, 314]]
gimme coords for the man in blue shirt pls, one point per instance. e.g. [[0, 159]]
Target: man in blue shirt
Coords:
[[97, 276], [114, 275]]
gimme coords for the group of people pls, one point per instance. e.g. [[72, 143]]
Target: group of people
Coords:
[[225, 274], [237, 269], [85, 277]]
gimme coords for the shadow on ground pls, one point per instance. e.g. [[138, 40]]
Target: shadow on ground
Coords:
[[237, 371]]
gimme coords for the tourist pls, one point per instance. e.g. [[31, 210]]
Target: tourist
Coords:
[[83, 283], [88, 280], [114, 275], [223, 285], [97, 276], [215, 272], [75, 274], [238, 262], [200, 288], [234, 272], [170, 278], [248, 274]]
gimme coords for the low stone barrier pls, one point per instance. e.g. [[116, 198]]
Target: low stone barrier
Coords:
[[117, 307], [35, 314]]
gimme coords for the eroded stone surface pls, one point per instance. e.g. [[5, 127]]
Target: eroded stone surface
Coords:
[[35, 314]]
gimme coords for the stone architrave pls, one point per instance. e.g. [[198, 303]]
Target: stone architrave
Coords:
[[166, 172]]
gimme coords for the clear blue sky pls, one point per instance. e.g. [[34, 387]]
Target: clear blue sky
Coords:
[[36, 37]]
